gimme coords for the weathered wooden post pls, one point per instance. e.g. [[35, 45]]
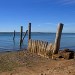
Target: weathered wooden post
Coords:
[[29, 38], [21, 34], [29, 31], [25, 34], [58, 38], [14, 36]]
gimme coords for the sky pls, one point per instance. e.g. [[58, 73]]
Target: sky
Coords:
[[44, 15]]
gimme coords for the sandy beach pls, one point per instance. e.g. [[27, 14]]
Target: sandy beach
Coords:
[[37, 37], [25, 63]]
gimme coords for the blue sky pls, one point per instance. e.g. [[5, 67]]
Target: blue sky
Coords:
[[43, 14]]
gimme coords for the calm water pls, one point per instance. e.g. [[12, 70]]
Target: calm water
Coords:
[[7, 43]]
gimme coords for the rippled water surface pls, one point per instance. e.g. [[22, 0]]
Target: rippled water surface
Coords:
[[7, 43]]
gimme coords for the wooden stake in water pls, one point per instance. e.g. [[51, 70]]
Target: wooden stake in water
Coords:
[[14, 36], [21, 34], [58, 38], [29, 31], [25, 34]]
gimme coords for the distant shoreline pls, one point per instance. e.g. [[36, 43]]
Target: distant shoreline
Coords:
[[41, 32]]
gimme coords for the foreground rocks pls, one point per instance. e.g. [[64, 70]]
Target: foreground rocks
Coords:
[[66, 54]]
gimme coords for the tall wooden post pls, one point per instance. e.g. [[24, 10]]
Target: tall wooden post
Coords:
[[58, 38], [14, 36], [29, 31], [21, 34]]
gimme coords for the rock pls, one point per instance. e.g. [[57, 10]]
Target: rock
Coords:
[[67, 54], [56, 56], [41, 73]]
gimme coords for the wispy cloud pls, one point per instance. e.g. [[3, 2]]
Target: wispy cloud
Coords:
[[38, 1], [47, 23], [63, 2], [70, 24], [67, 2], [39, 25], [55, 24]]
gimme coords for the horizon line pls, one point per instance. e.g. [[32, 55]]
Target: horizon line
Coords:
[[38, 32]]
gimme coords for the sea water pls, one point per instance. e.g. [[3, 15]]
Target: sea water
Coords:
[[7, 43]]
